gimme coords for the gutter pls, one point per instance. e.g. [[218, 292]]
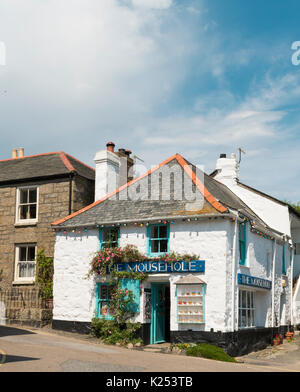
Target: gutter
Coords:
[[273, 282], [233, 314], [169, 218]]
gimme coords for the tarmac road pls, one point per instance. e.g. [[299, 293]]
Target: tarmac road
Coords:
[[40, 350]]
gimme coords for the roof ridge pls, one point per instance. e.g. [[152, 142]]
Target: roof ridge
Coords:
[[31, 156], [66, 162], [89, 167], [114, 192], [201, 187], [207, 195]]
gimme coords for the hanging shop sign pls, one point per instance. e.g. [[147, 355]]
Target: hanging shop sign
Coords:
[[253, 281], [157, 267]]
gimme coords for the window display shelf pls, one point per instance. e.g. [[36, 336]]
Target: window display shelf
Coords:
[[190, 290]]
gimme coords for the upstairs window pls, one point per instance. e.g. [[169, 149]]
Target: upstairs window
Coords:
[[242, 243], [158, 239], [27, 205], [109, 237]]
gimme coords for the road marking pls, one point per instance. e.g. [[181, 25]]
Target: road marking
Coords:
[[3, 354]]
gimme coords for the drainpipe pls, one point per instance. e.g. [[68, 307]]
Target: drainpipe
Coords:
[[234, 274], [273, 282], [70, 193], [291, 285]]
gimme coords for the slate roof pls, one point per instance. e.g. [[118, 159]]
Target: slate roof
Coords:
[[115, 208], [43, 165]]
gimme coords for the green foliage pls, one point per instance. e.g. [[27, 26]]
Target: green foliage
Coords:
[[121, 301], [205, 350], [44, 276], [104, 259], [111, 332]]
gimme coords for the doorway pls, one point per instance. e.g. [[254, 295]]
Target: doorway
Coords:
[[160, 313]]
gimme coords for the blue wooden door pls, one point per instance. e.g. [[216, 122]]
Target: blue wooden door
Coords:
[[158, 308]]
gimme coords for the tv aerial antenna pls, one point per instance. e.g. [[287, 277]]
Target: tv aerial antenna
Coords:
[[241, 151]]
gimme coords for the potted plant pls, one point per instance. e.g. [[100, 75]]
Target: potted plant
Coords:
[[44, 277], [289, 336], [277, 340]]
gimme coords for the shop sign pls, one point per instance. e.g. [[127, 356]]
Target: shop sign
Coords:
[[158, 267], [252, 281]]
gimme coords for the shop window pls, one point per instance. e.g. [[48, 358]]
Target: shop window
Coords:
[[158, 239], [27, 205], [25, 263], [104, 307], [109, 237], [242, 243], [246, 309]]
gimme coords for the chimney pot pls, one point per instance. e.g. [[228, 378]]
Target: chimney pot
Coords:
[[21, 152], [110, 146], [14, 153]]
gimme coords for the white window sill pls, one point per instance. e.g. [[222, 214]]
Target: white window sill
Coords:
[[26, 223], [27, 282]]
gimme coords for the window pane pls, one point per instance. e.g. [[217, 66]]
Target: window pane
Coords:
[[103, 292], [22, 254], [110, 238], [31, 253], [154, 231], [32, 211], [244, 304], [243, 318], [154, 246], [163, 232], [163, 245], [23, 212], [24, 196], [32, 195]]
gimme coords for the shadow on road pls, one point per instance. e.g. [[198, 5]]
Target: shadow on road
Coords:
[[16, 358], [8, 331]]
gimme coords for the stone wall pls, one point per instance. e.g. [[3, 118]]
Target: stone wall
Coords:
[[53, 204], [24, 306]]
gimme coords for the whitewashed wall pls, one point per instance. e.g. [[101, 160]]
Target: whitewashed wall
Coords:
[[212, 240], [271, 212]]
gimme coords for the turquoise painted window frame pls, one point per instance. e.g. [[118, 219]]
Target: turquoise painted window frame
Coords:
[[242, 243], [149, 239], [283, 264], [99, 301], [203, 287], [102, 230]]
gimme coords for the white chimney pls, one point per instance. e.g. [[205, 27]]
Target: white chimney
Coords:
[[227, 169], [107, 171]]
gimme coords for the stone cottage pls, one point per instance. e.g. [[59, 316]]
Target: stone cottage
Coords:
[[34, 190], [230, 294]]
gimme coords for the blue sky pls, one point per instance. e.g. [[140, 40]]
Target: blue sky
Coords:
[[196, 77]]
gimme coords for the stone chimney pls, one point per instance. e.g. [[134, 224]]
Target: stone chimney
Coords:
[[113, 169], [227, 169], [14, 154]]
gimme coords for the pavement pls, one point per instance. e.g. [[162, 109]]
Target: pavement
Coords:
[[46, 350]]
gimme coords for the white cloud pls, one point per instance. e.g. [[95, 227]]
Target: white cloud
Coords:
[[155, 4]]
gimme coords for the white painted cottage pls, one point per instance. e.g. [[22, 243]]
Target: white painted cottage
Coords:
[[278, 215], [238, 291]]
